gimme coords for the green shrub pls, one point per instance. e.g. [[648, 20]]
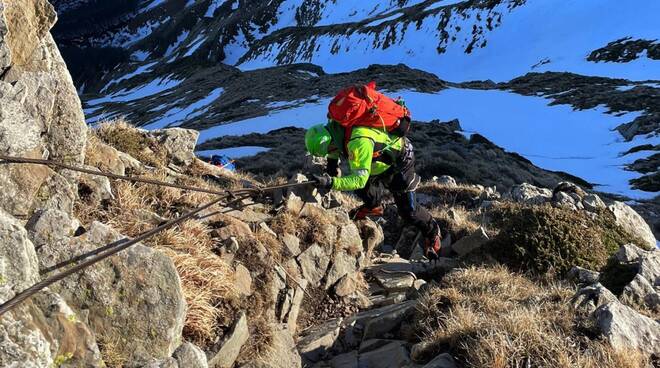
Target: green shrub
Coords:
[[545, 238]]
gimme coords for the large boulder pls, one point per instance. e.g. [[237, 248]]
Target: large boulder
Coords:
[[40, 112], [624, 328], [528, 193], [133, 298], [178, 143], [632, 222]]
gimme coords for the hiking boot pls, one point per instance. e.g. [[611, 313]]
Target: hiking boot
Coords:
[[432, 246], [362, 212]]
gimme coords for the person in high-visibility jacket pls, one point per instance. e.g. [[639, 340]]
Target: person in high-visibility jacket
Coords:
[[374, 157]]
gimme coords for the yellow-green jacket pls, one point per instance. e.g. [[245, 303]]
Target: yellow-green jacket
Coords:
[[359, 152]]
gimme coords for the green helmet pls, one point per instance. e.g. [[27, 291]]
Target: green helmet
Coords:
[[317, 140]]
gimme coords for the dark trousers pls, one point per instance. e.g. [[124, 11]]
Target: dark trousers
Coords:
[[402, 181]]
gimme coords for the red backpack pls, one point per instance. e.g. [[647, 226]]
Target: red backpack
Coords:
[[364, 106]]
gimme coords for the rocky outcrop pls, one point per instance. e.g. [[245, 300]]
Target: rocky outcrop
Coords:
[[625, 328], [528, 193], [40, 112], [133, 299], [632, 222]]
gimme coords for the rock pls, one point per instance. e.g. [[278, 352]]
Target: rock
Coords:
[[372, 235], [162, 363], [571, 189], [70, 338], [291, 243], [624, 328], [50, 226], [94, 188], [19, 266], [564, 200], [446, 180], [593, 203], [130, 163], [104, 157], [441, 361], [283, 352], [632, 222], [527, 193], [179, 144], [392, 355], [342, 264], [306, 193], [378, 322], [23, 343], [471, 242], [349, 238], [583, 275], [128, 296], [649, 267], [629, 254], [397, 281], [263, 227], [296, 302], [589, 298], [346, 286], [347, 360], [232, 344], [188, 355], [637, 290], [318, 340], [314, 263], [243, 280]]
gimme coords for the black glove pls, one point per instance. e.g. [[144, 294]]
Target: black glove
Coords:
[[333, 167], [323, 181]]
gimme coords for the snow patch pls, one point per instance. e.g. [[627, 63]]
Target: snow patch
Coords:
[[234, 152], [178, 115]]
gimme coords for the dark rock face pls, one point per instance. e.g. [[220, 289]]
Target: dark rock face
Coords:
[[625, 50], [439, 150]]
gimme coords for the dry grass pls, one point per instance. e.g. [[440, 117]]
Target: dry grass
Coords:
[[490, 317], [110, 353], [126, 138], [207, 279], [446, 195]]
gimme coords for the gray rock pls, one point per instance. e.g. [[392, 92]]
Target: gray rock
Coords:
[[629, 254], [95, 188], [564, 200], [128, 296], [342, 264], [649, 267], [378, 322], [441, 361], [314, 263], [23, 343], [395, 281], [104, 157], [589, 298], [637, 291], [232, 344], [392, 355], [624, 328], [446, 180], [632, 222], [243, 280], [318, 340], [291, 243], [50, 226], [19, 266], [308, 193], [583, 275], [283, 352], [163, 363], [188, 355], [296, 302], [593, 203], [347, 360], [528, 193], [471, 242], [179, 144], [346, 286]]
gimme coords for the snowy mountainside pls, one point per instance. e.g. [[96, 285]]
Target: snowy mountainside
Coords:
[[590, 69]]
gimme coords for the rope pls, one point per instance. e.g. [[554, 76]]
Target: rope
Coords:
[[92, 257], [137, 179], [118, 247]]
